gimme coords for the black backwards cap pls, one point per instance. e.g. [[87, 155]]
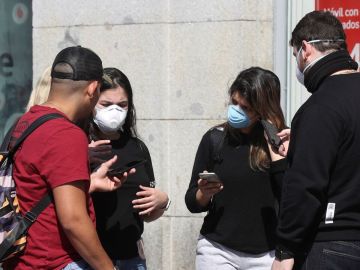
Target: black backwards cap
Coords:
[[85, 64]]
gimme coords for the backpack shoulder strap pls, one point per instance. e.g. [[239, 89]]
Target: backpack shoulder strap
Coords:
[[217, 136], [5, 144], [45, 201], [31, 215], [34, 125], [22, 227]]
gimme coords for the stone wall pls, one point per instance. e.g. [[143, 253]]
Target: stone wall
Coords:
[[180, 57]]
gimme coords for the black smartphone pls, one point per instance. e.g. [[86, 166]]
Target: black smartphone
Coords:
[[271, 132], [121, 170]]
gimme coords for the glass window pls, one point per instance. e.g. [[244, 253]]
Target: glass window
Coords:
[[15, 60]]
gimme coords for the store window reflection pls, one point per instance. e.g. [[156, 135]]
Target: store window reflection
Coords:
[[15, 60]]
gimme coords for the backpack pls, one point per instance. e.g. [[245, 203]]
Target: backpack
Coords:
[[14, 225]]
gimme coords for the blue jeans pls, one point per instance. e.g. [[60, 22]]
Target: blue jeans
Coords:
[[79, 265], [332, 255], [131, 264]]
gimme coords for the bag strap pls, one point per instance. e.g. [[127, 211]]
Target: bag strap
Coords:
[[31, 215], [22, 227], [217, 136], [34, 125], [7, 138]]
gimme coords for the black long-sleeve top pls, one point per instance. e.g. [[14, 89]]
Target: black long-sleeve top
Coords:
[[242, 216], [118, 224], [324, 167]]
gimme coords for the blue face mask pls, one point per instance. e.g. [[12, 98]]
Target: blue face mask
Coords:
[[237, 118]]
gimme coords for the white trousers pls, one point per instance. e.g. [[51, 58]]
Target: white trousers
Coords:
[[214, 256]]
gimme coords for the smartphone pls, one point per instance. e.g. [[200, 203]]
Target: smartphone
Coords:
[[211, 177], [271, 132], [121, 170]]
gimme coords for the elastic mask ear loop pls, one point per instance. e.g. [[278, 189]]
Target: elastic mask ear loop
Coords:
[[297, 56]]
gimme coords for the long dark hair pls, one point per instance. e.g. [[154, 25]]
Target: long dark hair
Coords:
[[261, 89], [115, 78]]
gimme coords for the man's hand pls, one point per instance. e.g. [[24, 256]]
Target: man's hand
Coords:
[[152, 199], [100, 181], [287, 264], [285, 139], [280, 153]]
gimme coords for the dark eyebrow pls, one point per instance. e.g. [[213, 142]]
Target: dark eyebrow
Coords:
[[124, 102], [105, 101]]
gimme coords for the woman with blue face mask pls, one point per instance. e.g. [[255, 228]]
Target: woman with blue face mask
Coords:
[[120, 215], [239, 229]]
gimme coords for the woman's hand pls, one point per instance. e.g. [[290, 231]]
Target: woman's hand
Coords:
[[98, 151], [209, 189], [100, 181], [151, 199], [206, 191]]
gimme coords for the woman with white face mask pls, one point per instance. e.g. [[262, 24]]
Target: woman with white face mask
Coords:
[[120, 214], [239, 229]]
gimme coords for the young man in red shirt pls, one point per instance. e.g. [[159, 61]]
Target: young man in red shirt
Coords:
[[54, 159]]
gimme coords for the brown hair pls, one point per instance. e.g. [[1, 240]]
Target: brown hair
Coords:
[[261, 89]]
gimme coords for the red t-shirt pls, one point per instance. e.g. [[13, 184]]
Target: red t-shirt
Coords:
[[54, 154]]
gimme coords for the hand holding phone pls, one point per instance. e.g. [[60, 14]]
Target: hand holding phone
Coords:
[[121, 170], [211, 177], [100, 180], [271, 133], [209, 184]]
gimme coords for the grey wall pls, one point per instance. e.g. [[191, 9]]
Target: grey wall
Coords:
[[180, 57]]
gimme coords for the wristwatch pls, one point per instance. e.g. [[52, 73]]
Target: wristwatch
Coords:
[[283, 255]]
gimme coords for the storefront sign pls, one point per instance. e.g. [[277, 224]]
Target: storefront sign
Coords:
[[348, 12]]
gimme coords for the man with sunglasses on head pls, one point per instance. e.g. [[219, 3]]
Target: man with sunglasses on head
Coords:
[[319, 218]]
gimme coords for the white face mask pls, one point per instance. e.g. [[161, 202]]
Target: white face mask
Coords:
[[110, 119], [299, 73]]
